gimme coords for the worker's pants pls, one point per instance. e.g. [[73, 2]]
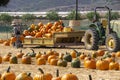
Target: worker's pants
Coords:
[[18, 43]]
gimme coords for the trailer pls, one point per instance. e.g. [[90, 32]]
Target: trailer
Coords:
[[59, 39]]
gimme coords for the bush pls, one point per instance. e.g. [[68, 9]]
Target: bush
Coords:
[[6, 18], [28, 17], [72, 15], [114, 15], [52, 15], [91, 15]]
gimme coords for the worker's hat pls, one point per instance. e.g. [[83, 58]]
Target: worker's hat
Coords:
[[14, 23]]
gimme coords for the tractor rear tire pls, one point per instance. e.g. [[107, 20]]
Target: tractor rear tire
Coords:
[[91, 39], [112, 42]]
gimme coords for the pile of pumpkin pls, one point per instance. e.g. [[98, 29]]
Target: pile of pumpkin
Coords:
[[100, 59], [9, 75], [44, 30]]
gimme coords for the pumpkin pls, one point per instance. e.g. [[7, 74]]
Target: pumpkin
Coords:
[[45, 56], [117, 54], [69, 76], [41, 61], [38, 34], [90, 63], [26, 59], [24, 76], [62, 63], [38, 55], [13, 39], [40, 24], [113, 65], [73, 53], [21, 38], [0, 59], [51, 57], [53, 61], [75, 63], [13, 60], [67, 57], [7, 57], [6, 43], [82, 56], [26, 33], [42, 76], [57, 76], [8, 75], [100, 52], [102, 64], [50, 52], [55, 53], [32, 54], [109, 59], [19, 54]]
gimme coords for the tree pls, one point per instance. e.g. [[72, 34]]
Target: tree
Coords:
[[72, 15], [52, 15], [5, 19], [4, 2], [28, 18]]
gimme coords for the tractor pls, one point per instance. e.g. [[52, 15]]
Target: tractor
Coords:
[[105, 32]]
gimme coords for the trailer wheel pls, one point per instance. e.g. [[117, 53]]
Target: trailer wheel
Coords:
[[112, 42], [91, 39]]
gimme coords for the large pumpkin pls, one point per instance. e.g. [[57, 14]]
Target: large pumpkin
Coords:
[[19, 54], [57, 76], [26, 59], [41, 61], [114, 65], [69, 76], [8, 75], [67, 57], [42, 76], [38, 55], [62, 63], [24, 76], [13, 60], [75, 63]]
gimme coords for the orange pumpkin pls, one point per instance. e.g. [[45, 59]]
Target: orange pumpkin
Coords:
[[45, 56], [53, 62], [24, 76], [41, 61], [73, 53], [7, 57], [114, 65], [102, 64], [40, 24], [8, 75], [26, 59], [50, 52], [82, 56], [26, 33], [51, 57], [42, 76], [90, 63], [100, 52], [38, 34], [69, 76], [19, 54], [0, 59], [117, 54], [21, 38], [38, 55], [13, 39]]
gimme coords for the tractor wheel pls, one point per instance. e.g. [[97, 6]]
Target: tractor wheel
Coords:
[[91, 39], [112, 42]]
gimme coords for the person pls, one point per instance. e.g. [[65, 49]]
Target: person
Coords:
[[16, 33]]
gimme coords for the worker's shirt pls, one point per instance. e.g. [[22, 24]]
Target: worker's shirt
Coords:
[[16, 30]]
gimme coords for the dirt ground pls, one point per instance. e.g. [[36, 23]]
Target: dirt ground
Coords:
[[81, 73]]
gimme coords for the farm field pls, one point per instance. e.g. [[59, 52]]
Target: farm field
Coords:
[[82, 73]]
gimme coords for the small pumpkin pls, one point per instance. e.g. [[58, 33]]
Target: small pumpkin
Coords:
[[42, 76], [0, 59], [62, 63], [75, 63], [41, 61], [45, 56], [102, 64], [19, 54], [73, 53], [38, 55], [82, 56], [100, 52], [53, 61], [117, 54], [51, 57], [7, 57], [69, 76], [114, 65], [26, 59], [24, 76], [13, 60], [67, 57], [90, 63], [32, 54], [50, 52], [8, 75]]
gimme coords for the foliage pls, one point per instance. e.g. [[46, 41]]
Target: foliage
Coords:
[[28, 17], [72, 15], [52, 15], [6, 18], [91, 15], [114, 15]]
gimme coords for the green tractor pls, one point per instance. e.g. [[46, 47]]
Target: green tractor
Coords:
[[103, 32]]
